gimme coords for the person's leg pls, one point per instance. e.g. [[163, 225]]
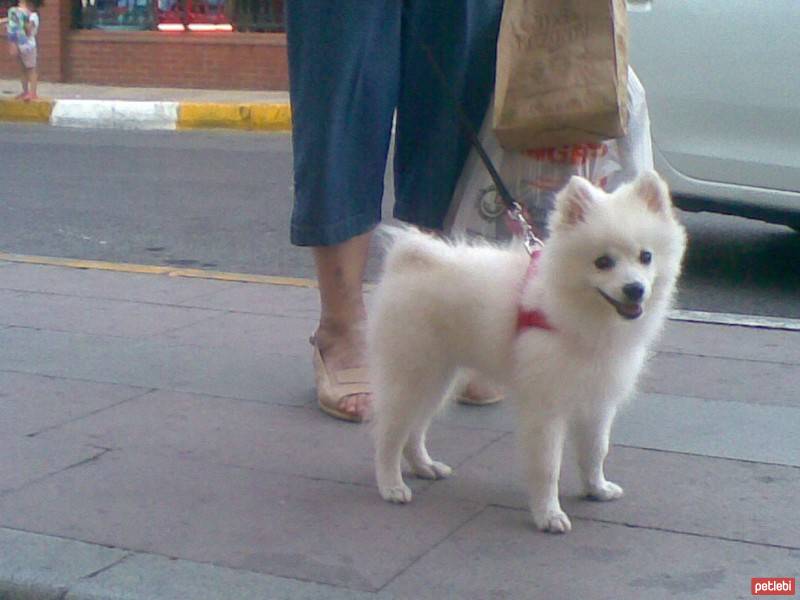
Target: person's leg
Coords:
[[430, 147], [339, 336], [23, 75], [343, 63], [33, 83]]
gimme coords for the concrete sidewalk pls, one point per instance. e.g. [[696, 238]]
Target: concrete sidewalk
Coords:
[[159, 439], [83, 105]]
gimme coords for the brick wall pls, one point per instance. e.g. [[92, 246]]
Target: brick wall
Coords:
[[216, 60]]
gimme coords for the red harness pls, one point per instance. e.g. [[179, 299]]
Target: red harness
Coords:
[[532, 317]]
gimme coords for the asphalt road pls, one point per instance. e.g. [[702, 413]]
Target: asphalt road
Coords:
[[222, 201]]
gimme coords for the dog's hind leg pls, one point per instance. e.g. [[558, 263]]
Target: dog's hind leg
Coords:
[[416, 453], [402, 414]]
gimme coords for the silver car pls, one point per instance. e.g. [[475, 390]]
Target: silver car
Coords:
[[723, 88]]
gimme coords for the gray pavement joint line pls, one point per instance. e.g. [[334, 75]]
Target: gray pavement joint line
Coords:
[[729, 358], [711, 456], [111, 336], [720, 538], [91, 413], [433, 547], [735, 319], [109, 566], [85, 461], [119, 300], [183, 304], [145, 389], [171, 330], [305, 405], [501, 435]]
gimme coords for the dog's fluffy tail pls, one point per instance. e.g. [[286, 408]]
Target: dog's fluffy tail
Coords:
[[409, 247]]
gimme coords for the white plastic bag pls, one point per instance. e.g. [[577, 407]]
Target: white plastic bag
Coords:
[[534, 177]]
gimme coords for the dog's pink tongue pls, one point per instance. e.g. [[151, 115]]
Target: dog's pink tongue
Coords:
[[630, 311]]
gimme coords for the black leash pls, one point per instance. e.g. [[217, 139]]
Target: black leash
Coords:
[[514, 209]]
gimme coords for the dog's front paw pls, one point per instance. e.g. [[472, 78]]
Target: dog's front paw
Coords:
[[604, 492], [434, 470], [397, 494], [552, 521]]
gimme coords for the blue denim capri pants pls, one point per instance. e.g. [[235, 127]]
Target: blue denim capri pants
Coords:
[[351, 64]]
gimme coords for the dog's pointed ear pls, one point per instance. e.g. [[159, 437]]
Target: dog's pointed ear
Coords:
[[653, 192], [575, 201]]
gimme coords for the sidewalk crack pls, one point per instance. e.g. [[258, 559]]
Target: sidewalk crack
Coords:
[[108, 567]]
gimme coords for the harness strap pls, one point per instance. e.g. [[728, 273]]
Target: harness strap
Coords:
[[532, 318]]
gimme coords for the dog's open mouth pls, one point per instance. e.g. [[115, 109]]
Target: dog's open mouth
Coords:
[[626, 311]]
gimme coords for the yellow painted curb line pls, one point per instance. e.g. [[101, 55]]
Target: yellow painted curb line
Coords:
[[156, 270], [260, 117], [271, 117], [16, 110]]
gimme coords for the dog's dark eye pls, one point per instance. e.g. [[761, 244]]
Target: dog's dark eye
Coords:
[[645, 257], [604, 263]]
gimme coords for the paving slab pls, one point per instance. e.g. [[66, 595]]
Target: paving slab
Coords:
[[280, 439], [160, 578], [276, 300], [736, 430], [258, 374], [286, 335], [327, 532], [26, 460], [761, 382], [663, 490], [93, 316], [39, 567], [32, 403], [746, 343], [498, 555], [95, 283]]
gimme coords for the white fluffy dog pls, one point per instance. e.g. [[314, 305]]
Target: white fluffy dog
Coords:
[[566, 331]]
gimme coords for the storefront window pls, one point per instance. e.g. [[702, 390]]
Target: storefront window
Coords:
[[259, 15], [115, 14], [180, 15]]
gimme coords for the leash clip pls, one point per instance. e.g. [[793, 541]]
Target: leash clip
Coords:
[[529, 239]]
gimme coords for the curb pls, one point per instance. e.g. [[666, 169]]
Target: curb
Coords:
[[145, 115], [31, 112]]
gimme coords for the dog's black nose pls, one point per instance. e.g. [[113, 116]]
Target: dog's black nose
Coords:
[[633, 291]]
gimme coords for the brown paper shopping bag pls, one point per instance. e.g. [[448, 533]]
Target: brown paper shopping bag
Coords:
[[562, 68]]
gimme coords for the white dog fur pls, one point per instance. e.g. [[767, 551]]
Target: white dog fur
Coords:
[[442, 306]]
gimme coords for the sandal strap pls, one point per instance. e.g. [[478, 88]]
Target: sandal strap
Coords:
[[359, 375]]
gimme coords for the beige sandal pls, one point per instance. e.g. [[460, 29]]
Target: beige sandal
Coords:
[[479, 394], [335, 386]]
